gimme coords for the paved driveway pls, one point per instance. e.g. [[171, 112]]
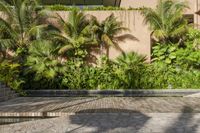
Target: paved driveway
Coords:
[[109, 114], [111, 123], [102, 104]]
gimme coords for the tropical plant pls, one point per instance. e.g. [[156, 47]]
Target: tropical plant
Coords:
[[76, 34], [130, 68], [10, 75], [108, 32], [80, 77], [130, 60], [186, 57], [159, 75], [43, 60], [19, 25], [166, 20], [164, 53]]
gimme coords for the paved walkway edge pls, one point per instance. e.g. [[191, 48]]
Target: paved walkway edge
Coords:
[[119, 93], [62, 114], [35, 114]]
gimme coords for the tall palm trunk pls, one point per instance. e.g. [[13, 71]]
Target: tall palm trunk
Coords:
[[101, 49], [101, 53]]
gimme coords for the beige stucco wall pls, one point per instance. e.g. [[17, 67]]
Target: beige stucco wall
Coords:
[[153, 3], [194, 6], [132, 20]]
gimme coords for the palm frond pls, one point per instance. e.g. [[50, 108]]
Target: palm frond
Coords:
[[166, 20], [65, 48], [107, 40], [6, 8]]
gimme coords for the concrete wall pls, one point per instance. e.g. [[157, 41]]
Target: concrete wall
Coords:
[[132, 20], [193, 4], [153, 3]]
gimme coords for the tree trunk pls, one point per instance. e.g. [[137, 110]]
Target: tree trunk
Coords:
[[101, 52], [101, 49]]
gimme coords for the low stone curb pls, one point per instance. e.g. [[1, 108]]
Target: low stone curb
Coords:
[[7, 93], [117, 93], [48, 114], [34, 114]]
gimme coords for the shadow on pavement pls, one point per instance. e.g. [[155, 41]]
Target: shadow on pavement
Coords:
[[185, 122], [108, 120]]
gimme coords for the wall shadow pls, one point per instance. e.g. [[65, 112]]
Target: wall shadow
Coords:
[[108, 120], [40, 103], [75, 104], [185, 122], [122, 38]]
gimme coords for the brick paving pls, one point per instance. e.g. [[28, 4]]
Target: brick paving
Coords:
[[105, 114], [101, 105], [111, 123]]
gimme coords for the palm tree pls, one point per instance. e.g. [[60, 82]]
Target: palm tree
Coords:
[[44, 60], [20, 25], [166, 20], [131, 60], [131, 66], [75, 34], [108, 32]]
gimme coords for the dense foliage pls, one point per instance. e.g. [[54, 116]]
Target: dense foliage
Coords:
[[166, 20], [68, 8], [36, 54]]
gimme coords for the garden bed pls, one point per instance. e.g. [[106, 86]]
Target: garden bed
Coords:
[[117, 93]]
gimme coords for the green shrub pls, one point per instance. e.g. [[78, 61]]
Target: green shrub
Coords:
[[10, 75], [176, 66], [162, 76], [130, 69], [43, 60], [43, 68], [100, 8], [164, 53], [186, 55], [189, 57], [79, 76]]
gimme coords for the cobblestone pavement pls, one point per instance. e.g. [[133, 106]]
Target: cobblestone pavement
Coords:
[[107, 115], [102, 104], [111, 123]]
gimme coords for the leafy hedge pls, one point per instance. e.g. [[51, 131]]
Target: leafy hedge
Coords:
[[122, 74], [127, 72], [85, 8]]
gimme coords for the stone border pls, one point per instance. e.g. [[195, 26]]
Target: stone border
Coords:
[[46, 114], [33, 114], [7, 93], [117, 93]]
